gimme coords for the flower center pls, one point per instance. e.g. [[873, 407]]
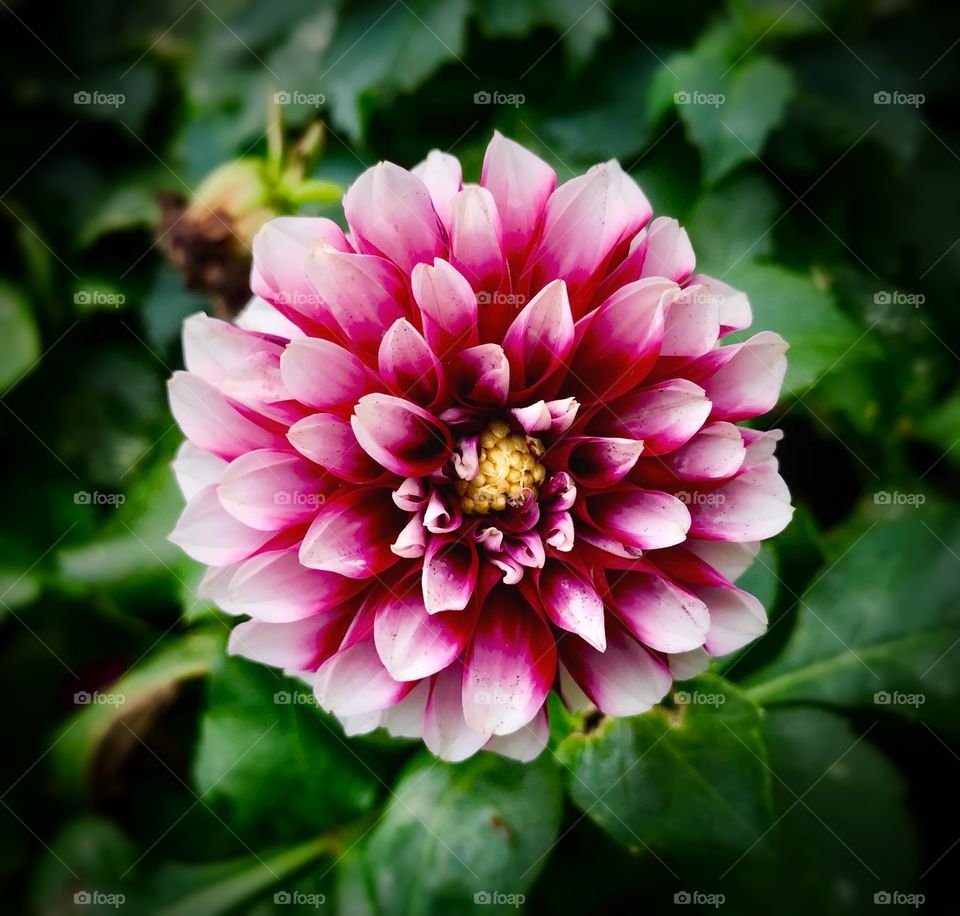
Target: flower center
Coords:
[[508, 471]]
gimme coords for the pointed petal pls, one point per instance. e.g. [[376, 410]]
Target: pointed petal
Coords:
[[481, 375], [733, 306], [594, 461], [736, 618], [445, 730], [448, 306], [540, 337], [329, 441], [443, 176], [715, 453], [449, 574], [664, 415], [355, 682], [475, 233], [196, 469], [400, 436], [209, 534], [352, 534], [625, 680], [322, 374], [572, 603], [660, 614], [391, 214], [751, 507], [668, 251], [262, 317], [211, 348], [692, 323], [302, 645], [646, 519], [525, 744], [521, 184], [509, 666], [409, 366], [414, 644]]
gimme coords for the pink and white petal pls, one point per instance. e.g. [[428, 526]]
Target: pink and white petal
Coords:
[[585, 220], [559, 531], [364, 294], [509, 665], [526, 743], [362, 724], [411, 543], [391, 214], [715, 453], [547, 416], [442, 513], [215, 588], [761, 446], [405, 720], [658, 613], [274, 587], [521, 184], [729, 559], [412, 495], [572, 603], [625, 680], [329, 441], [261, 317], [209, 534], [540, 337], [352, 534], [685, 665], [618, 344], [597, 462], [751, 507], [573, 697], [269, 489], [414, 644], [445, 730], [668, 251], [211, 347], [664, 415], [450, 569], [324, 375], [400, 436], [733, 306], [443, 176], [196, 469], [692, 324], [742, 380], [481, 375], [212, 422], [409, 366], [736, 618], [448, 307], [302, 645], [475, 233], [354, 682], [644, 519]]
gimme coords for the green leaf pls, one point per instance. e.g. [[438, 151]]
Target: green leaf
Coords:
[[877, 626], [732, 222], [270, 762], [689, 779], [19, 337], [842, 832], [412, 41], [452, 832], [153, 683], [804, 313]]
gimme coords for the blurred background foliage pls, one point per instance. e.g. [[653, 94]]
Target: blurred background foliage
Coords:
[[214, 785]]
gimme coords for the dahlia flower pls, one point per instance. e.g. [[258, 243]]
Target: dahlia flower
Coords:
[[480, 446]]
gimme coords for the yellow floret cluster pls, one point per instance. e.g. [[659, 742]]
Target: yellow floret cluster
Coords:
[[508, 471]]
